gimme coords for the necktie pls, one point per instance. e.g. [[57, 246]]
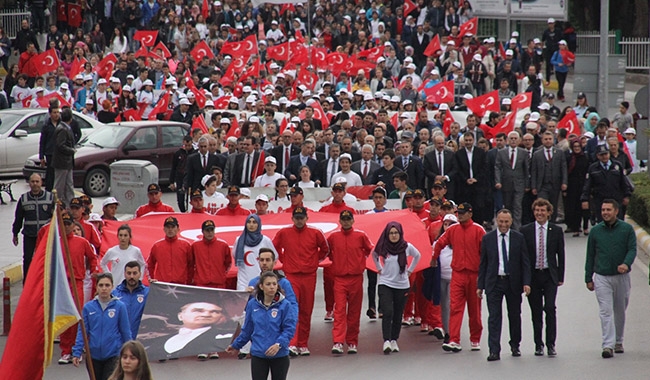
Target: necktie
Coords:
[[332, 171], [548, 154], [405, 162], [442, 171], [365, 169], [541, 250], [247, 172], [504, 254], [286, 157], [205, 161], [512, 158]]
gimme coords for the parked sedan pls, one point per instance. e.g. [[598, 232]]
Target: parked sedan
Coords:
[[20, 132], [137, 140]]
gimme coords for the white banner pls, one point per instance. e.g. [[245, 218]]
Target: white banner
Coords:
[[521, 9]]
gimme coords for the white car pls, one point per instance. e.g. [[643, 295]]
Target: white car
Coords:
[[20, 133]]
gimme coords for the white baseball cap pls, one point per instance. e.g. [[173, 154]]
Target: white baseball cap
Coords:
[[110, 201], [185, 102], [254, 119], [534, 116], [224, 120], [102, 81], [506, 101], [550, 21], [270, 159], [262, 197]]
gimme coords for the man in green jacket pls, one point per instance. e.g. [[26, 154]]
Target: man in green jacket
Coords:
[[611, 250]]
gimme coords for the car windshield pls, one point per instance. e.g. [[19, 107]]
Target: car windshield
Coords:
[[8, 121], [107, 137]]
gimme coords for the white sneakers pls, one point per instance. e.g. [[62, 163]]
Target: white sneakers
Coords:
[[475, 346], [352, 349], [451, 347], [394, 346], [337, 348], [387, 348]]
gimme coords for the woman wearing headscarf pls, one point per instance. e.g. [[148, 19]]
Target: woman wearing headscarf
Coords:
[[390, 256], [246, 250], [591, 122], [577, 163]]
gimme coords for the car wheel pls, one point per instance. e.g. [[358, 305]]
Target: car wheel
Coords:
[[96, 183]]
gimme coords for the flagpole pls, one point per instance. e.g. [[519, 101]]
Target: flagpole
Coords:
[[309, 40], [73, 285]]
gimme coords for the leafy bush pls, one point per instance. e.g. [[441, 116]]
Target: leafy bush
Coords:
[[639, 206]]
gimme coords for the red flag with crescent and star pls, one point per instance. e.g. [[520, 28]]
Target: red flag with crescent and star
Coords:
[[470, 26], [47, 61], [201, 50], [146, 37], [433, 46], [522, 100], [443, 92], [484, 103], [570, 123], [74, 15]]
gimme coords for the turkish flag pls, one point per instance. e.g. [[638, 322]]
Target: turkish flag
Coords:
[[502, 50], [234, 129], [570, 123], [131, 115], [471, 26], [443, 92], [484, 103], [77, 66], [205, 10], [320, 115], [446, 124], [259, 167], [106, 66], [74, 15], [245, 47], [199, 122], [44, 101], [222, 102], [336, 62], [372, 54], [27, 102], [353, 66], [146, 37], [47, 62], [251, 71], [163, 48], [146, 229], [284, 124], [319, 57], [285, 7], [433, 46], [142, 52], [278, 52], [201, 50], [394, 120], [506, 125], [61, 11], [198, 94], [522, 100], [409, 7], [161, 106], [307, 78]]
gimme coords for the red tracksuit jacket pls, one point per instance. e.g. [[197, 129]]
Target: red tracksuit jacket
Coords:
[[170, 260], [300, 250], [465, 238], [211, 259], [348, 252], [233, 211], [337, 208], [153, 207], [80, 252]]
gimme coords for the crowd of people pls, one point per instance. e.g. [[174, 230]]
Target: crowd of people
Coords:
[[301, 120]]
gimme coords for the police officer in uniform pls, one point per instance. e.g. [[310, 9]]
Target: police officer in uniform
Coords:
[[33, 211], [605, 180]]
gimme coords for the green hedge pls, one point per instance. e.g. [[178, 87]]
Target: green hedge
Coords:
[[639, 206]]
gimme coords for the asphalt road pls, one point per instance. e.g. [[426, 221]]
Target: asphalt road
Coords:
[[578, 345]]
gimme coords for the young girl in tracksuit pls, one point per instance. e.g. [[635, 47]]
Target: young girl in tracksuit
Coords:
[[270, 323], [107, 326]]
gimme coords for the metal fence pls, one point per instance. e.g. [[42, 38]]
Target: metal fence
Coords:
[[636, 49], [10, 20]]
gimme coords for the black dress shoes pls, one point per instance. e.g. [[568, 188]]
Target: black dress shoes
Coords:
[[539, 351], [515, 352], [551, 351], [493, 357]]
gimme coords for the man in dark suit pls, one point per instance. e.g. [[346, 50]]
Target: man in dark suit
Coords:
[[511, 177], [471, 174], [504, 272], [245, 164], [330, 166], [546, 257], [199, 164], [366, 167], [328, 140], [548, 172], [495, 197], [303, 158], [439, 166], [411, 165], [284, 151]]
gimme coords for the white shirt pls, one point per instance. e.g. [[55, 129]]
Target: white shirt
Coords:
[[214, 202], [390, 275], [266, 180], [545, 237], [470, 156], [352, 178], [184, 336], [250, 269], [513, 152], [118, 258], [502, 270]]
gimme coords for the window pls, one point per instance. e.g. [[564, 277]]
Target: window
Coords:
[[172, 136], [144, 138], [33, 124]]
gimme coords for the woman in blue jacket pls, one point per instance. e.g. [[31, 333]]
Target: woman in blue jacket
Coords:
[[561, 68], [107, 326], [270, 324]]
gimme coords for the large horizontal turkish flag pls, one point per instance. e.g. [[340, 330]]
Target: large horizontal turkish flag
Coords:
[[149, 229]]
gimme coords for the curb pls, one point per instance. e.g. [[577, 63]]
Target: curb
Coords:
[[642, 242], [13, 271]]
